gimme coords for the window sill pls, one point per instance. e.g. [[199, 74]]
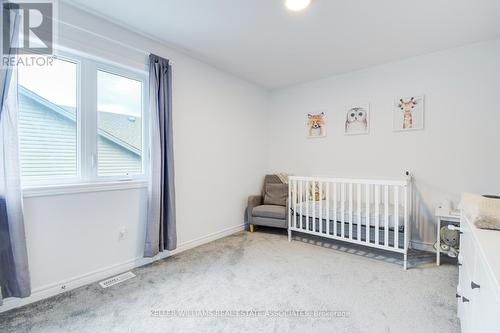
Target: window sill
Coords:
[[52, 190]]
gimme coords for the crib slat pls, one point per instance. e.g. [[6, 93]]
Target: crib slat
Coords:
[[293, 184], [350, 211], [396, 217], [386, 217], [299, 202], [290, 208], [377, 213], [313, 193], [320, 214], [367, 216], [405, 194], [342, 208], [299, 195], [335, 210], [307, 205], [358, 220], [327, 199], [303, 206]]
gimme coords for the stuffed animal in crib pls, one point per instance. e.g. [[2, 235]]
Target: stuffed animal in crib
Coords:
[[450, 240], [314, 192]]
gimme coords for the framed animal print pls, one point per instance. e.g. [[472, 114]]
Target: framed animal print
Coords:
[[408, 113], [357, 120], [316, 125]]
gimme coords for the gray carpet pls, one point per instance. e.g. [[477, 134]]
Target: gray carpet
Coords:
[[358, 290]]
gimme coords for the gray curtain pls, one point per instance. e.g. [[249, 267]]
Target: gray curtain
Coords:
[[161, 227], [14, 273]]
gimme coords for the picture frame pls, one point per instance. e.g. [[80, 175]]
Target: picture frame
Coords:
[[316, 125], [357, 120], [409, 113]]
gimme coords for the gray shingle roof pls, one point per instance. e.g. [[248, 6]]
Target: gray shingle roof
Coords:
[[124, 130]]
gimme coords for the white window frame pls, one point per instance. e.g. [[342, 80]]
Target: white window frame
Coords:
[[93, 122], [87, 134]]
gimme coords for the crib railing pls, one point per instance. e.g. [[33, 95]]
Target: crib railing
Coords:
[[374, 213]]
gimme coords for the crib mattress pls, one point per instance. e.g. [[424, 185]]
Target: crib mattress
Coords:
[[307, 206]]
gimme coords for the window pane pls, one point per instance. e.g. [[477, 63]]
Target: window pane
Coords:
[[119, 105], [48, 120]]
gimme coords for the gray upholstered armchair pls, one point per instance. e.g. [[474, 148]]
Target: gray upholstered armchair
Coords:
[[271, 208]]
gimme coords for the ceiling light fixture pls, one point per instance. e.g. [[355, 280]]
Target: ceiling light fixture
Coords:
[[297, 5]]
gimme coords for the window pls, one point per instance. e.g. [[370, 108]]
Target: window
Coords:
[[81, 120], [119, 108], [48, 121]]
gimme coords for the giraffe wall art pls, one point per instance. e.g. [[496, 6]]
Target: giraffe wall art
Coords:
[[408, 113]]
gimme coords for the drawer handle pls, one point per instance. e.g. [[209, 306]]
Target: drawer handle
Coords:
[[457, 296], [465, 300], [474, 285]]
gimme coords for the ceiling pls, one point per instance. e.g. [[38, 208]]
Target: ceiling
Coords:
[[263, 42]]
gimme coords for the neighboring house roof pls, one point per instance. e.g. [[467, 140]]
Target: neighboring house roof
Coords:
[[121, 129], [48, 141]]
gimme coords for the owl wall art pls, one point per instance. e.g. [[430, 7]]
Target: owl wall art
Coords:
[[357, 120]]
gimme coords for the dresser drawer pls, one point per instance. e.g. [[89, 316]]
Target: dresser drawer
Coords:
[[485, 299], [464, 309], [467, 255]]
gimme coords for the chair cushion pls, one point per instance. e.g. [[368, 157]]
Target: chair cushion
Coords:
[[275, 194], [270, 211]]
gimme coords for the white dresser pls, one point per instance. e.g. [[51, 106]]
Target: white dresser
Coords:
[[478, 291]]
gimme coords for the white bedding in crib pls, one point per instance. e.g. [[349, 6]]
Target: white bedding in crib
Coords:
[[372, 218]]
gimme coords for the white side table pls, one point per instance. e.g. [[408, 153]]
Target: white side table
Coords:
[[443, 215]]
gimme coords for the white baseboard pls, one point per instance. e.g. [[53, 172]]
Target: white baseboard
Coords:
[[101, 274], [208, 238]]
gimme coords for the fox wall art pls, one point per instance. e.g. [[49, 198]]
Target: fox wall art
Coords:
[[316, 125]]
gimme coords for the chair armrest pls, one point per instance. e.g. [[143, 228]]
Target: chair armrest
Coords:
[[255, 200]]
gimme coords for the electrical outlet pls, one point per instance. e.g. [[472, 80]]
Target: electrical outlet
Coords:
[[122, 234]]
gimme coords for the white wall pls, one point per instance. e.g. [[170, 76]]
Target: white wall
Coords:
[[220, 158], [459, 150]]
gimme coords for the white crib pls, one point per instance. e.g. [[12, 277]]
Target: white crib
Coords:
[[374, 213]]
